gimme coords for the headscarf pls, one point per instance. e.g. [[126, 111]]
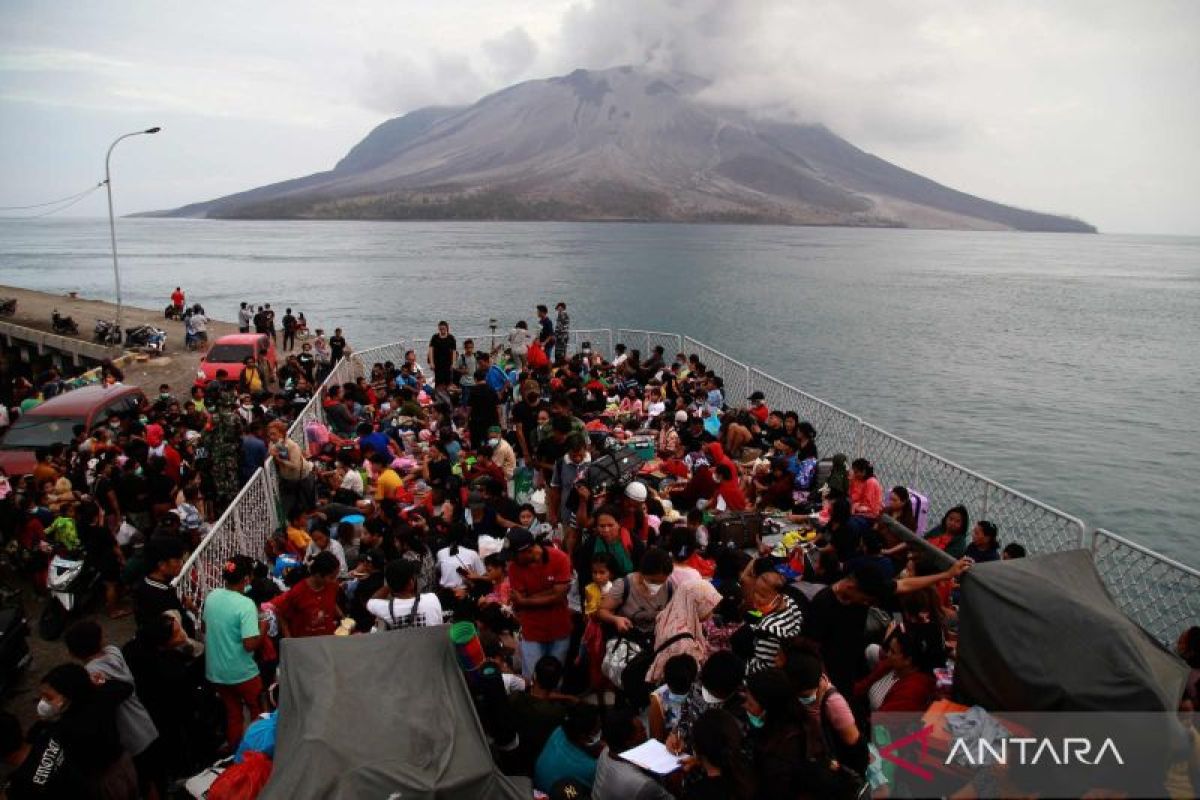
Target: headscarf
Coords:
[[683, 614]]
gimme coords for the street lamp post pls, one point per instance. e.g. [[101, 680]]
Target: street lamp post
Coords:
[[112, 225]]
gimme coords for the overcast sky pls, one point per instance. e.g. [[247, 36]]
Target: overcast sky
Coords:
[[1084, 107]]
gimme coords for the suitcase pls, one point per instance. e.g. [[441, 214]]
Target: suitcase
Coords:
[[740, 529], [920, 509]]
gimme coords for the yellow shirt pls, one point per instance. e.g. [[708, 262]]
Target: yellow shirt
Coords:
[[386, 484], [298, 538], [592, 595]]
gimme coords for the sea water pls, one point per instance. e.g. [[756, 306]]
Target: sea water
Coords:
[[1063, 365]]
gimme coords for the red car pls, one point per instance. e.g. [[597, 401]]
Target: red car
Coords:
[[229, 353], [54, 421]]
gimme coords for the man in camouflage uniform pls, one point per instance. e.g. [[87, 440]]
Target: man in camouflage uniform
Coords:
[[223, 445]]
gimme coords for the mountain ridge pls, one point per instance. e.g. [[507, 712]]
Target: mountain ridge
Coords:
[[622, 143]]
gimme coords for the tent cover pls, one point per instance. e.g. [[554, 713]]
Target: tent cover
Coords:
[[1043, 634], [384, 715]]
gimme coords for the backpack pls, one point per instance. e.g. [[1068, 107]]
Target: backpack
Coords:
[[626, 662], [392, 623]]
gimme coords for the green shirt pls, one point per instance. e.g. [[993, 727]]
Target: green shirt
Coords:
[[63, 531], [229, 618]]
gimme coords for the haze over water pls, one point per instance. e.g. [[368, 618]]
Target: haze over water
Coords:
[[1062, 365]]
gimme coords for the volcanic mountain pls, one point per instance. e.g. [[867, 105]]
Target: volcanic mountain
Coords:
[[623, 143]]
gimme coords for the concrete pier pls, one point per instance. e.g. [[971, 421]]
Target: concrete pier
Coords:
[[30, 345]]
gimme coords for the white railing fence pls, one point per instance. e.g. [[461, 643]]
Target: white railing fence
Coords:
[[1161, 594]]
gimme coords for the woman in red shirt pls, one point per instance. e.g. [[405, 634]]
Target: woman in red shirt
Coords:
[[729, 490], [866, 494], [903, 680]]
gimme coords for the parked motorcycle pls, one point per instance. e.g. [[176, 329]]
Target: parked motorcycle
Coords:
[[147, 337], [72, 585], [63, 325], [8, 306], [107, 332]]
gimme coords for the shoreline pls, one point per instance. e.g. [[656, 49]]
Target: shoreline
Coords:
[[176, 367]]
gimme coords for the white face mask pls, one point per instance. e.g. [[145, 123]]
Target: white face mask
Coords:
[[47, 710], [709, 697], [654, 588], [493, 442]]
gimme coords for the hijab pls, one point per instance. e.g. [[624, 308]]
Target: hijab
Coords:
[[689, 603]]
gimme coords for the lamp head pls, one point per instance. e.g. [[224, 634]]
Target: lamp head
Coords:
[[155, 129]]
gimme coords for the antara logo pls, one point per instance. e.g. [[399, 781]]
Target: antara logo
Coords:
[[1018, 750], [1029, 751]]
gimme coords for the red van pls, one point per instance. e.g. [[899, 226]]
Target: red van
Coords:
[[54, 421], [229, 353]]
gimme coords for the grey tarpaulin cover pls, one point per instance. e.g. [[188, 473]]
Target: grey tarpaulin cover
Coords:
[[1043, 634], [379, 716]]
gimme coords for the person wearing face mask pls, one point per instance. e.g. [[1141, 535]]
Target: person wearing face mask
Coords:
[[776, 735], [777, 618], [502, 452], [40, 765], [666, 702], [233, 634], [719, 687], [831, 730], [571, 750], [635, 601], [81, 712]]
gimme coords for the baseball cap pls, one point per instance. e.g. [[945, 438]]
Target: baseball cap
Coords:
[[758, 396], [520, 540]]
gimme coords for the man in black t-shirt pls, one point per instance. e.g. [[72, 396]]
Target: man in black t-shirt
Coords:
[[289, 330], [308, 362], [525, 424], [442, 350], [154, 594], [337, 346]]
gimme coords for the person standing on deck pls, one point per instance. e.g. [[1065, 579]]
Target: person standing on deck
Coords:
[[245, 315], [289, 330], [177, 300], [562, 331], [337, 346], [442, 350], [546, 332]]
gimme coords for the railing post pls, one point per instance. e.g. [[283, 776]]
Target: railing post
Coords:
[[987, 492], [858, 440]]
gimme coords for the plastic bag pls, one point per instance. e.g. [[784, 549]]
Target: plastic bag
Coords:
[[522, 485], [242, 781], [536, 357]]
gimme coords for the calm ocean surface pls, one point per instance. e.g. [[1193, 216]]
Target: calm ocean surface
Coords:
[[1065, 366]]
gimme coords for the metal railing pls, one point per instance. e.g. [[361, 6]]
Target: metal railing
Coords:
[[1159, 593]]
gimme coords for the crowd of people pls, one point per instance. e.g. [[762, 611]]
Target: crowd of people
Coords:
[[484, 486]]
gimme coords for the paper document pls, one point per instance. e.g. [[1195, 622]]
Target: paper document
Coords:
[[654, 756]]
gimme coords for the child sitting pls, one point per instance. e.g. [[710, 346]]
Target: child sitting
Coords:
[[666, 702]]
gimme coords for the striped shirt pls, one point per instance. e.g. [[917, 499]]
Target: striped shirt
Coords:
[[772, 631]]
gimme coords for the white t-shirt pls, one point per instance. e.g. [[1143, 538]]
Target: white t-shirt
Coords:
[[393, 613], [655, 408], [335, 547], [352, 481], [448, 566]]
